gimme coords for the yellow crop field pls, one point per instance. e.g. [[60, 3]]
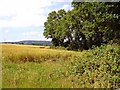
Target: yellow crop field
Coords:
[[24, 53], [26, 58], [28, 66]]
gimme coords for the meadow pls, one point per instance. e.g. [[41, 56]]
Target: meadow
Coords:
[[27, 66]]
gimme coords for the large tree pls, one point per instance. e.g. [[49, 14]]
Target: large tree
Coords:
[[87, 24], [51, 26]]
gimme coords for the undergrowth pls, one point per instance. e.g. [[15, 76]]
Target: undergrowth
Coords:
[[99, 67], [35, 67]]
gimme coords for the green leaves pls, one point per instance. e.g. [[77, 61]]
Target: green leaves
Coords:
[[98, 67], [87, 24]]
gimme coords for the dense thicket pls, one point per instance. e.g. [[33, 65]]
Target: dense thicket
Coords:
[[98, 68], [87, 24]]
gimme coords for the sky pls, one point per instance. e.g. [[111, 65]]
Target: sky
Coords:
[[24, 19]]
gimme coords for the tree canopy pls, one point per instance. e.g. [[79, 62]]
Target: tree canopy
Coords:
[[87, 24]]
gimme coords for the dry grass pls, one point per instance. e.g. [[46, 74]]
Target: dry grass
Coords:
[[29, 53], [30, 66], [23, 64]]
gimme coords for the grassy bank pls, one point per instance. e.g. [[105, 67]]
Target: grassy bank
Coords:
[[36, 67]]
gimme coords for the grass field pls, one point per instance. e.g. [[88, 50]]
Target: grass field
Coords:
[[27, 66]]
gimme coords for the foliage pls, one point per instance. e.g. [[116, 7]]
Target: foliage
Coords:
[[87, 24], [51, 68], [98, 68]]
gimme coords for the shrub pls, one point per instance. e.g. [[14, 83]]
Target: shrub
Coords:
[[99, 67]]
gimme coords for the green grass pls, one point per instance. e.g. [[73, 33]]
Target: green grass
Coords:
[[27, 66]]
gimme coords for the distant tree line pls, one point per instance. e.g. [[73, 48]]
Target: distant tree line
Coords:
[[87, 24], [30, 42]]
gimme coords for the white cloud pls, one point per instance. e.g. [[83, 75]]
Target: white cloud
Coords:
[[24, 21], [24, 13], [31, 33], [6, 31], [66, 7], [35, 36]]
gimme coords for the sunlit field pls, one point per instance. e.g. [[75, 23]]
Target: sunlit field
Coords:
[[27, 66], [35, 66]]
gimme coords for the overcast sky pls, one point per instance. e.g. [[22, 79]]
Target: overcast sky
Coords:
[[24, 19]]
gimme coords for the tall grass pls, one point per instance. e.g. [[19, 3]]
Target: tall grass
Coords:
[[21, 54], [30, 66], [38, 67]]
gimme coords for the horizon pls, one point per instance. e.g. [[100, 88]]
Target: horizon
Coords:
[[26, 40], [27, 22]]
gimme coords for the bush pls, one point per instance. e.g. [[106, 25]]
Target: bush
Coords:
[[99, 68]]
